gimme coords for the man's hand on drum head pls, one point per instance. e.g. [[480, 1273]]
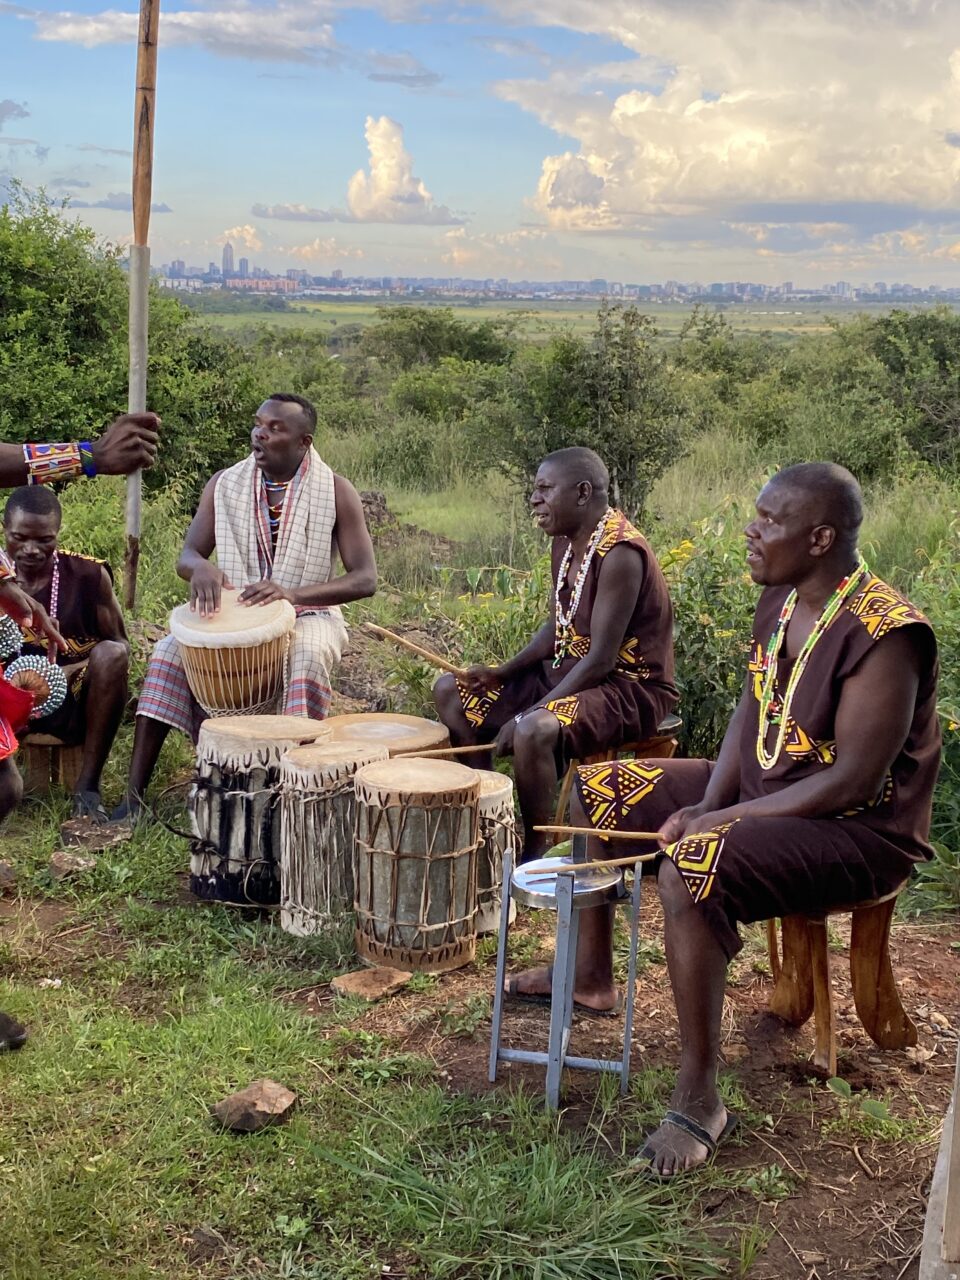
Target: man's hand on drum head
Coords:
[[263, 593], [206, 583]]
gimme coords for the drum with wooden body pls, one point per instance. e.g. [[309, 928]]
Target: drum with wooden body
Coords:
[[316, 840], [234, 804], [400, 734], [416, 864], [498, 832], [235, 660]]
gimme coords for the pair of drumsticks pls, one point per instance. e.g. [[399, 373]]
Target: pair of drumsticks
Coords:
[[436, 660]]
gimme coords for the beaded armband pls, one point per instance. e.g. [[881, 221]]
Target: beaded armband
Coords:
[[49, 462], [86, 459], [7, 567]]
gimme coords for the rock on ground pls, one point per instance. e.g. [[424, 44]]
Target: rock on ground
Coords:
[[371, 984], [259, 1105], [63, 864]]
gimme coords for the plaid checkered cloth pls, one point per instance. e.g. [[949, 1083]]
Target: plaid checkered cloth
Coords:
[[315, 648]]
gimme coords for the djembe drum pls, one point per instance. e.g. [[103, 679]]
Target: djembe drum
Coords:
[[416, 864], [401, 735], [234, 805], [318, 805], [235, 660], [498, 831]]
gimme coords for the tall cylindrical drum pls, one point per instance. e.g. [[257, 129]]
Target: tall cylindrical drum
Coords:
[[234, 804], [416, 864], [400, 734], [498, 832], [317, 799]]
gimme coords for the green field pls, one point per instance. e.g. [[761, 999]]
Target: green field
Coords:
[[541, 319]]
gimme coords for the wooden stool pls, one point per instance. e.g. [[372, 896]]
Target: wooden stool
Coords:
[[803, 978], [661, 746], [46, 762]]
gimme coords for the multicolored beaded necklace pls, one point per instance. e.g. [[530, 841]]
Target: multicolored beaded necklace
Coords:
[[776, 712], [275, 509], [563, 622]]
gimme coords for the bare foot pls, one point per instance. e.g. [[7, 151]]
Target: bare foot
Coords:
[[673, 1149], [539, 982]]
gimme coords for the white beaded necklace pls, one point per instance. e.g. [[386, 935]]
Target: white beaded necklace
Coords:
[[563, 622]]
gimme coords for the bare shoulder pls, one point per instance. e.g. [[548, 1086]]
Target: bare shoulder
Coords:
[[347, 497]]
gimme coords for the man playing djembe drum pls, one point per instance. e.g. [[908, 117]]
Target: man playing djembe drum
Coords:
[[277, 521], [600, 672], [820, 798]]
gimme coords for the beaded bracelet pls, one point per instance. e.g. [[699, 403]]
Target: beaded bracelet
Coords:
[[47, 463], [86, 459]]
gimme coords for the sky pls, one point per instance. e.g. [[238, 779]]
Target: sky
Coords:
[[634, 140]]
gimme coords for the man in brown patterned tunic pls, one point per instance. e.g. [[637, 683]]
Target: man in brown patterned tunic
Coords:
[[821, 795], [599, 672], [96, 658]]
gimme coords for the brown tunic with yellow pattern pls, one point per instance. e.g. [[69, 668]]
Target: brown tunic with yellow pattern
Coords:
[[755, 868], [629, 704]]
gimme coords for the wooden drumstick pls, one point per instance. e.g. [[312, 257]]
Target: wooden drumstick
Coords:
[[571, 868], [600, 835], [433, 658], [445, 751]]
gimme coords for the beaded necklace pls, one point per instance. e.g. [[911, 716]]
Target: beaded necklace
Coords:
[[275, 509], [55, 586], [563, 622], [778, 713]]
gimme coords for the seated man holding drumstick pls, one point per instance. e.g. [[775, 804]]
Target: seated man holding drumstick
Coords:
[[277, 522], [599, 673], [821, 796]]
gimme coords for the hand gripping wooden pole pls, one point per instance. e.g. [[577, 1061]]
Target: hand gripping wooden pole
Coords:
[[144, 103]]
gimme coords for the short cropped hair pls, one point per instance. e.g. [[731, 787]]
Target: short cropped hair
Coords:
[[309, 412], [579, 464], [834, 495], [35, 500]]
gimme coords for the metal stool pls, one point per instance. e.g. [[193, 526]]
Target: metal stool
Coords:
[[567, 895]]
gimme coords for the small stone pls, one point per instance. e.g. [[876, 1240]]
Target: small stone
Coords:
[[63, 864], [940, 1021], [735, 1052], [261, 1104], [371, 984], [918, 1055], [8, 878]]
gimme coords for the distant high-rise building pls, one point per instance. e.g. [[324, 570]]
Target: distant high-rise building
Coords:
[[244, 268], [213, 269], [178, 268], [227, 263], [336, 275]]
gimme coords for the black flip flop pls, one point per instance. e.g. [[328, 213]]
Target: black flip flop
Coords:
[[695, 1130], [544, 1000], [12, 1034]]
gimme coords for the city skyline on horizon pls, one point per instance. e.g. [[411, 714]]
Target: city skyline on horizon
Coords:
[[541, 140]]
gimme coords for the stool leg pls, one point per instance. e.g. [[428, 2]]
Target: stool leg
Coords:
[[874, 987], [773, 950], [506, 900], [792, 997], [563, 800], [824, 1013], [561, 998], [631, 980]]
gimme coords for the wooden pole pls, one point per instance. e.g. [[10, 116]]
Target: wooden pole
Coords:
[[144, 103]]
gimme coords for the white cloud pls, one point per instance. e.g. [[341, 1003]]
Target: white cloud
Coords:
[[388, 192], [246, 235], [10, 110], [122, 201], [320, 249], [284, 31], [527, 251], [747, 103]]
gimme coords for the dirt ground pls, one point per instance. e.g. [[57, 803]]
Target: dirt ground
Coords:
[[856, 1204]]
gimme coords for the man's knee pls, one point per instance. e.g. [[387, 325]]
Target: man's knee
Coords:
[[536, 733], [674, 894], [109, 659], [446, 696]]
